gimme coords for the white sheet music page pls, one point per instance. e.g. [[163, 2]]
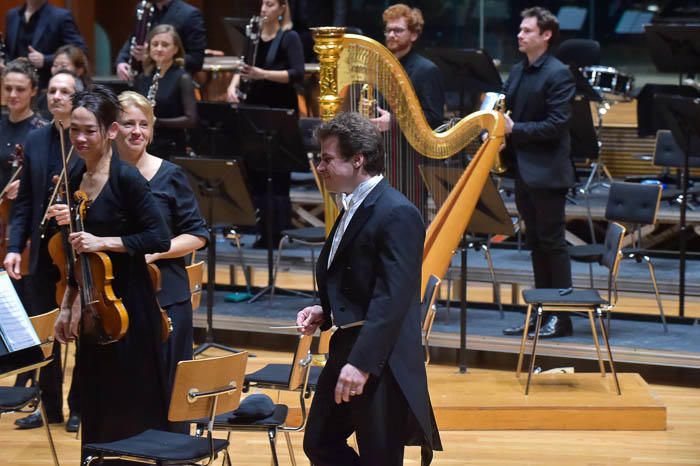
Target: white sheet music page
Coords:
[[16, 329]]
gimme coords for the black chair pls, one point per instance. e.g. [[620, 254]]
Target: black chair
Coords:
[[633, 205], [577, 300], [203, 388], [669, 155], [579, 52], [294, 377], [429, 310], [28, 399]]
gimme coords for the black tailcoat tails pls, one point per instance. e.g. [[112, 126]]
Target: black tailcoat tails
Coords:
[[375, 277]]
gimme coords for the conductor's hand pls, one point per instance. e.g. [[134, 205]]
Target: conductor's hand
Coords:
[[351, 382], [35, 57], [60, 212], [124, 71], [12, 190], [252, 72], [383, 121], [309, 319], [509, 124], [83, 241], [13, 263]]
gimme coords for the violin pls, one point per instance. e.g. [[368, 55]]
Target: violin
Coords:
[[60, 249], [104, 319], [166, 324], [17, 162]]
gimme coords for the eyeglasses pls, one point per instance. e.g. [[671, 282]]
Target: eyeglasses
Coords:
[[395, 31]]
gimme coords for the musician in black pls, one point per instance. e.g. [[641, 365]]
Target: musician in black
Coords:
[[36, 30], [538, 93], [187, 229], [73, 59], [171, 90], [402, 28], [42, 161], [279, 65], [189, 24], [122, 384]]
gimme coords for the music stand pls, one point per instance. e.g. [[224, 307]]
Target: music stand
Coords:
[[682, 116], [674, 48], [469, 72], [235, 33], [222, 195], [272, 143], [490, 217], [219, 121]]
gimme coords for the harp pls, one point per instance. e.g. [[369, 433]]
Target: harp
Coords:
[[350, 62]]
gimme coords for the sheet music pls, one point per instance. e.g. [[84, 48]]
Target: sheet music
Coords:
[[16, 329]]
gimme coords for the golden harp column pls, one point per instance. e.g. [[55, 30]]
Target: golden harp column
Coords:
[[328, 45]]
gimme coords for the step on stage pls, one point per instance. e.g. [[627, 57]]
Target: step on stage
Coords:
[[580, 401]]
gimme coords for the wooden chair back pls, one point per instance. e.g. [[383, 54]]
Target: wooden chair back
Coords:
[[324, 342], [44, 326], [209, 375], [301, 363], [432, 290], [613, 254], [195, 273]]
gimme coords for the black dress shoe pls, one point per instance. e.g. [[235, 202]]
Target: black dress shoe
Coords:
[[519, 329], [33, 421], [73, 423], [556, 326]]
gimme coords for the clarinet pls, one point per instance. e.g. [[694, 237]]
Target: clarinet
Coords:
[[153, 88], [144, 16], [3, 48], [252, 32]]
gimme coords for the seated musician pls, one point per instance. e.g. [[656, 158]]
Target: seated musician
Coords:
[[402, 28], [171, 91], [270, 82], [189, 24], [122, 384], [179, 207], [42, 162], [73, 59]]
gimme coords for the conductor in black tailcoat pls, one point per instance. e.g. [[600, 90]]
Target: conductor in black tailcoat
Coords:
[[369, 277], [538, 93]]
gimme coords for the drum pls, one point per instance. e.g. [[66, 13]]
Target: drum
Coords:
[[216, 75], [608, 81]]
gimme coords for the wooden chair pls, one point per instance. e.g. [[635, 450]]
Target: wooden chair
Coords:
[[195, 273], [27, 399], [203, 388], [294, 377], [429, 310], [577, 300]]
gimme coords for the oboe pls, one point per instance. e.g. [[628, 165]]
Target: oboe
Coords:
[[153, 88], [252, 32], [144, 16]]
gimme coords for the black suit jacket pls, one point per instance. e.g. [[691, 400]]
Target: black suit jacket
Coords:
[[28, 209], [540, 141], [55, 28], [189, 24], [375, 276]]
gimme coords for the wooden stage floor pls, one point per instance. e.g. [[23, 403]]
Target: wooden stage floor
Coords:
[[679, 444]]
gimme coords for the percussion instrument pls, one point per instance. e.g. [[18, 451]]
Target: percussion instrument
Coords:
[[609, 82]]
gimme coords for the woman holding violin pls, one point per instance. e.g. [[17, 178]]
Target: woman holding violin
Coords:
[[179, 207], [122, 380]]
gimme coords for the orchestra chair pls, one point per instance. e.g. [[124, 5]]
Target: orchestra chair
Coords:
[[28, 399], [668, 154], [294, 377], [579, 52], [195, 274], [633, 205], [235, 238], [576, 300], [203, 388], [314, 236], [429, 308]]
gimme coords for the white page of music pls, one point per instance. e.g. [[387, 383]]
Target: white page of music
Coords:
[[16, 329]]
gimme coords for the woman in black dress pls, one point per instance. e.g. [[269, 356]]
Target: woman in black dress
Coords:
[[179, 207], [123, 384], [279, 65], [170, 89], [20, 83]]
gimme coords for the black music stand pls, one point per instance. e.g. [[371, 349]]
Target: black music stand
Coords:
[[272, 143], [490, 217], [224, 199], [674, 48], [682, 116], [469, 72], [219, 122]]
